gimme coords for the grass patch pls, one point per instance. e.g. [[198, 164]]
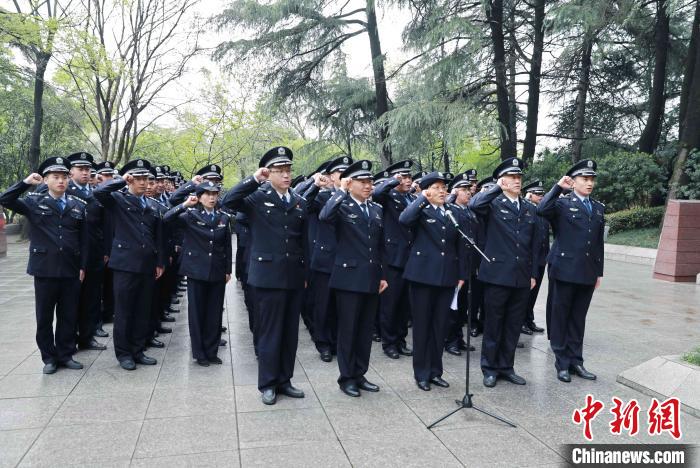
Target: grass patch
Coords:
[[643, 237], [693, 357]]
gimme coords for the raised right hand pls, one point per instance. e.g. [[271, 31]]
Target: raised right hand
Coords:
[[129, 178], [345, 183], [566, 182], [33, 179], [192, 200], [197, 179], [262, 174]]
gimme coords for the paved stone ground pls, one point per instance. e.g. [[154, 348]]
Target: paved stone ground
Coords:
[[179, 414]]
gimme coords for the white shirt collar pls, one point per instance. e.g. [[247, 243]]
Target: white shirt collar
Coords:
[[438, 207], [580, 197], [285, 195], [516, 199], [359, 203]]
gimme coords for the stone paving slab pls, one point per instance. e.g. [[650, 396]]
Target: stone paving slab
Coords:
[[179, 414]]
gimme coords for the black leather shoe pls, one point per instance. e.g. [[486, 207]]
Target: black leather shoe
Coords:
[[162, 329], [475, 332], [461, 345], [127, 364], [520, 345], [423, 385], [94, 345], [453, 350], [525, 330], [514, 378], [222, 343], [350, 390], [170, 310], [440, 382], [145, 360], [582, 372], [175, 301], [376, 337], [368, 386], [100, 333], [326, 356], [489, 381], [269, 396], [153, 343], [391, 353], [404, 350], [223, 329], [533, 326], [290, 390], [50, 368], [71, 364], [167, 318], [203, 362], [564, 376], [215, 360]]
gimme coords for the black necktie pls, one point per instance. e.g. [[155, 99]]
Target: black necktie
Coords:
[[61, 204], [587, 204], [285, 203], [365, 211]]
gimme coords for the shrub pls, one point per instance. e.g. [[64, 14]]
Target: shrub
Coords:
[[691, 190], [626, 180], [635, 218]]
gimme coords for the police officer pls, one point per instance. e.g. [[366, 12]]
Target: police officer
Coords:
[[435, 267], [277, 221], [460, 196], [58, 258], [576, 265], [534, 191], [136, 259], [90, 289], [106, 172], [206, 261], [479, 316], [322, 257], [356, 277], [511, 245], [394, 305]]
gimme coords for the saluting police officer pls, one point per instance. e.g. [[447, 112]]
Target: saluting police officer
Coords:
[[90, 290], [394, 305], [277, 221], [511, 246], [58, 257], [435, 267], [322, 257], [207, 262], [534, 191], [576, 264], [106, 172], [136, 259], [356, 278]]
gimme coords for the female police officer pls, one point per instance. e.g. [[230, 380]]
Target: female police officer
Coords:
[[206, 261]]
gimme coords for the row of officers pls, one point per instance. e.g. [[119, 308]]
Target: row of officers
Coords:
[[354, 254]]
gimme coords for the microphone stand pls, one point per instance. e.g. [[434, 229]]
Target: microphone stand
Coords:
[[466, 401]]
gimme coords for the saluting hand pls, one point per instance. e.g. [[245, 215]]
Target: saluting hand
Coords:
[[345, 183], [159, 272], [262, 174], [33, 179], [191, 200], [382, 286], [197, 179], [566, 182], [501, 182], [82, 275], [319, 179], [129, 178], [533, 283]]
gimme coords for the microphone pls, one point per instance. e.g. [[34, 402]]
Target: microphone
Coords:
[[451, 217]]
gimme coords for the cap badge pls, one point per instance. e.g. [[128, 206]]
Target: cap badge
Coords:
[[406, 164], [590, 163], [280, 150], [440, 174], [539, 184], [213, 168], [139, 163], [59, 160], [345, 160], [386, 173], [515, 163], [364, 165], [83, 156], [107, 164]]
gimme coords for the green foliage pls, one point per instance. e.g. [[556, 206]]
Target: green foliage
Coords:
[[549, 167], [626, 180], [691, 190], [635, 218], [644, 237], [693, 357]]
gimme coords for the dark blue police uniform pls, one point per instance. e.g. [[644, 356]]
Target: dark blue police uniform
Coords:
[[576, 262], [58, 250], [529, 325], [206, 260], [136, 252], [435, 264], [511, 246], [355, 277]]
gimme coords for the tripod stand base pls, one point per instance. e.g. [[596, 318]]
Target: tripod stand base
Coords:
[[466, 403]]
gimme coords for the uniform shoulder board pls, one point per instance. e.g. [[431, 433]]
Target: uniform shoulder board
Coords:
[[599, 202], [191, 208], [375, 203], [33, 194], [302, 198], [151, 198], [71, 197]]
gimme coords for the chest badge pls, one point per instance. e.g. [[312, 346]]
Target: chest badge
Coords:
[[269, 204], [430, 220]]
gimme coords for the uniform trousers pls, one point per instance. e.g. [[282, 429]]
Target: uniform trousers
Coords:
[[505, 309], [530, 312], [479, 317], [570, 303], [89, 306], [457, 319], [430, 308], [277, 325], [394, 309], [133, 293], [205, 300], [548, 311], [325, 315], [161, 299], [107, 296], [356, 313], [61, 295]]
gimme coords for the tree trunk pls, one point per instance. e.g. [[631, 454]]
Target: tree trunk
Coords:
[[445, 157], [690, 125], [42, 60], [582, 96], [381, 95], [494, 14], [649, 139], [533, 87], [511, 61], [690, 66]]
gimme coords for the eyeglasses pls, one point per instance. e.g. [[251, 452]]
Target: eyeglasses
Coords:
[[281, 171]]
